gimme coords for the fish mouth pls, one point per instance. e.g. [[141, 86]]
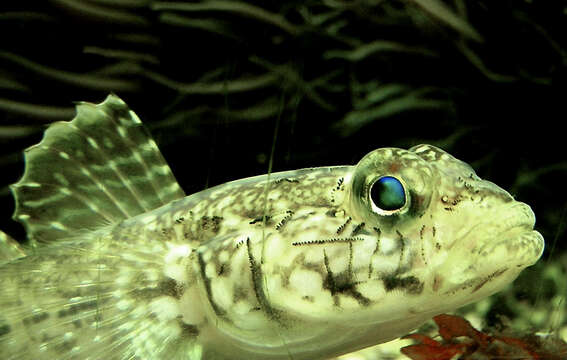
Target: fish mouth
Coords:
[[514, 242], [493, 252], [518, 216]]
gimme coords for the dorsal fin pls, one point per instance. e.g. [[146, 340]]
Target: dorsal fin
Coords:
[[100, 168]]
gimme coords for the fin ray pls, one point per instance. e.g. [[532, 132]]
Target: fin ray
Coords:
[[10, 249], [78, 298], [99, 168]]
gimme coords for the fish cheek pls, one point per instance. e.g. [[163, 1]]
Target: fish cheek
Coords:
[[419, 205]]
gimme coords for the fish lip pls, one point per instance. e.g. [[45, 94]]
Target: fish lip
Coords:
[[517, 229], [517, 233], [523, 216], [524, 246], [520, 219]]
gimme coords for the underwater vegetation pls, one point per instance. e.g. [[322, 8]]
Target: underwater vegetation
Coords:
[[479, 345], [231, 89]]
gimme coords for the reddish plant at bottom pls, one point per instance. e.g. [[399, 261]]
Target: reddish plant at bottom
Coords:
[[459, 340]]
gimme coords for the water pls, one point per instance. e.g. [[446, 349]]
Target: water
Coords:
[[240, 90]]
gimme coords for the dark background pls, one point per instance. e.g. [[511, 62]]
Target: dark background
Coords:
[[221, 83]]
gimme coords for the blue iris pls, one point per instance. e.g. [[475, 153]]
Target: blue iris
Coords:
[[388, 193]]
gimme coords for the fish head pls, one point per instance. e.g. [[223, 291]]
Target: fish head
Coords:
[[457, 238]]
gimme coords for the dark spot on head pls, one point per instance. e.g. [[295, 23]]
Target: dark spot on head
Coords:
[[284, 220], [337, 283], [489, 278], [221, 270], [188, 330], [240, 293], [418, 206], [361, 299], [279, 181], [170, 287], [410, 284], [437, 282], [339, 184], [394, 167], [262, 218], [166, 286], [343, 283], [208, 223], [357, 229], [218, 311]]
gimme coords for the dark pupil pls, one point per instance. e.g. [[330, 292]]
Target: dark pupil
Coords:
[[388, 193]]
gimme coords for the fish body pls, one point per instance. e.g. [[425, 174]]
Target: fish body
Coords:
[[303, 264]]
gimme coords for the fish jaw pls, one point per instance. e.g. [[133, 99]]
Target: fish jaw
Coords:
[[490, 255]]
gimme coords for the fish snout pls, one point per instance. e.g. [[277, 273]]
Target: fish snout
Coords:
[[511, 238]]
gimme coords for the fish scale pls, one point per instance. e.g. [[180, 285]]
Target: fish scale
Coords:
[[301, 264]]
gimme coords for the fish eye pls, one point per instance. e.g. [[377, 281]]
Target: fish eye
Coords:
[[387, 195]]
